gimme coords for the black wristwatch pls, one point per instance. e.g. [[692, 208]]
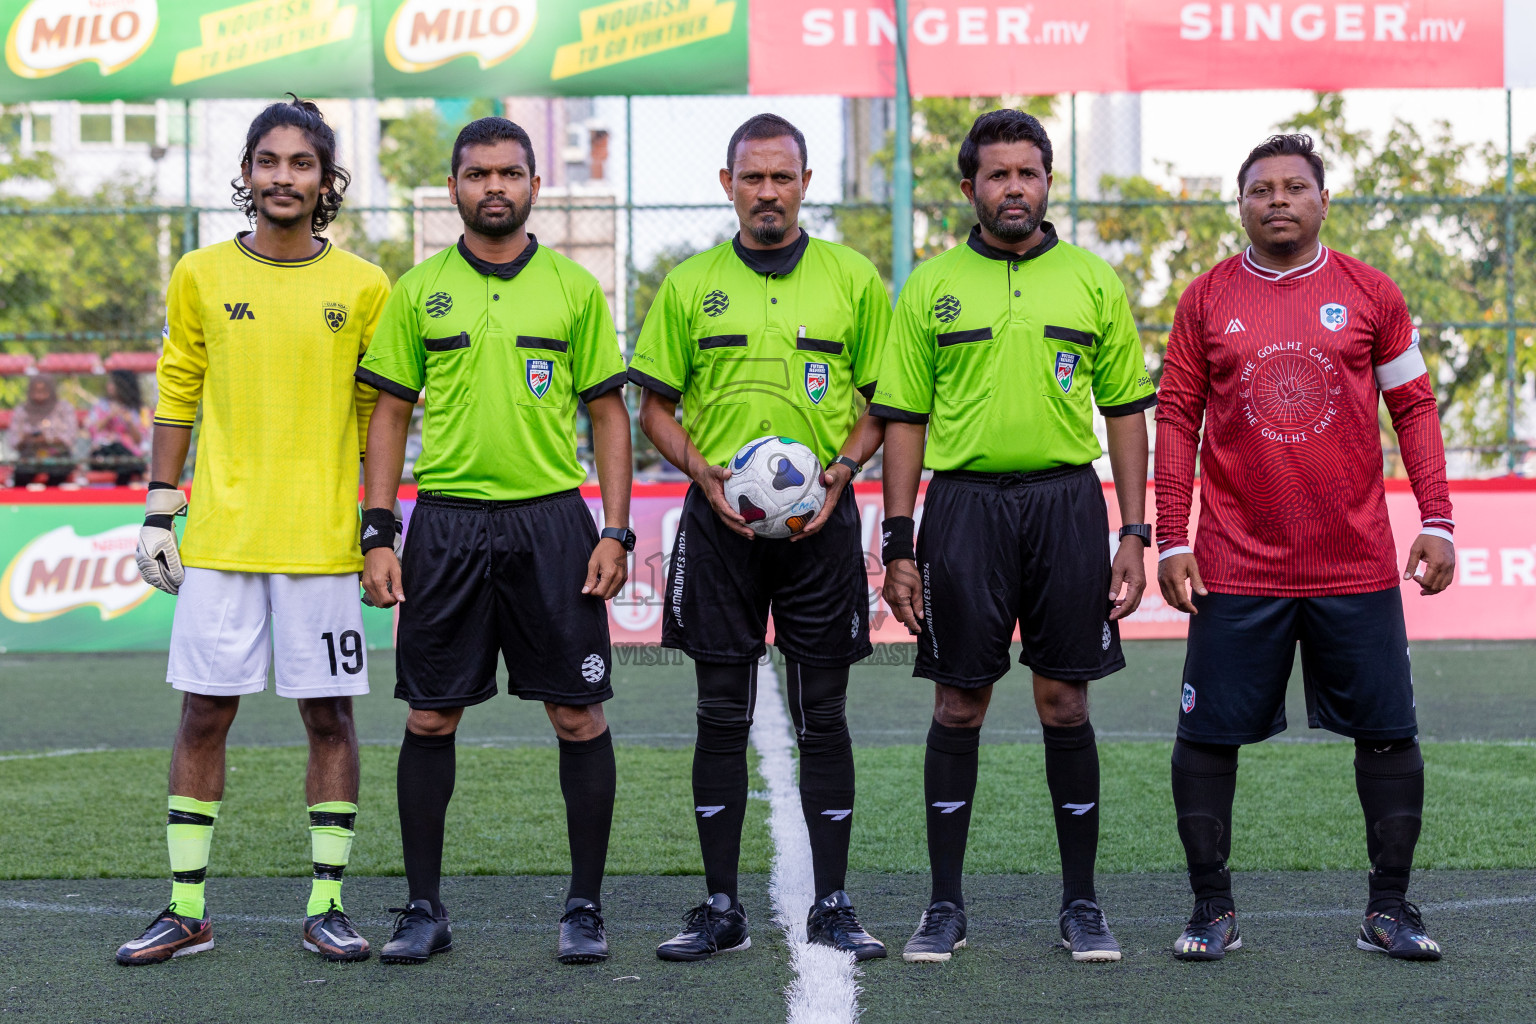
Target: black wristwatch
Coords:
[[1141, 530], [853, 467], [623, 534]]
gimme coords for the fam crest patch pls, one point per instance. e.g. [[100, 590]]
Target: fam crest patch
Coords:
[[335, 316], [716, 302], [946, 309], [540, 373], [1066, 366], [438, 304], [1333, 315], [816, 377], [1187, 701]]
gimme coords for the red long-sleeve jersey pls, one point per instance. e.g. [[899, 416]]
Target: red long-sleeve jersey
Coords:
[[1284, 369]]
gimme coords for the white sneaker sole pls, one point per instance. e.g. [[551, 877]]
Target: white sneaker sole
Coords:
[[189, 950], [1100, 956], [745, 944], [931, 958]]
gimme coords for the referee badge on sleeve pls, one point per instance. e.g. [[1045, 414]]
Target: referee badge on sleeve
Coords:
[[1066, 366], [540, 372]]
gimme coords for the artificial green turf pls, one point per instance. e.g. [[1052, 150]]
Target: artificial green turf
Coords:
[[1298, 962], [1465, 690], [99, 814], [103, 815]]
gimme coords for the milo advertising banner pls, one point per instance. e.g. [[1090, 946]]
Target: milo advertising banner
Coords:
[[140, 49]]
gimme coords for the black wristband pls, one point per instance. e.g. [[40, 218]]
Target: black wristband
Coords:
[[896, 539], [378, 528], [160, 485]]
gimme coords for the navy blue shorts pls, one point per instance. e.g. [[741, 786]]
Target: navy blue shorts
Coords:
[[1354, 663]]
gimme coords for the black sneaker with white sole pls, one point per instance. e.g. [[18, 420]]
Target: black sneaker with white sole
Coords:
[[1086, 933], [1399, 933], [582, 939], [938, 935], [1210, 934], [832, 922], [715, 926], [419, 934]]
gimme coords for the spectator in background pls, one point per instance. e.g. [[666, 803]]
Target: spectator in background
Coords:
[[42, 434], [115, 424]]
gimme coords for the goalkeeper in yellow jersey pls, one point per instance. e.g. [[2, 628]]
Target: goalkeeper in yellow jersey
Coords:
[[265, 331]]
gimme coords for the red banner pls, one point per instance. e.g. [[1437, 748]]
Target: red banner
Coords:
[[955, 47], [992, 47], [1176, 44], [1493, 597]]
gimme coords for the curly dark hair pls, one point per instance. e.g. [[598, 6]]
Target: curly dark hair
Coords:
[[305, 116], [1282, 145], [1006, 125]]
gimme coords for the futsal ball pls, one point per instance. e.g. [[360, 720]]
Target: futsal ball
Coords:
[[775, 484]]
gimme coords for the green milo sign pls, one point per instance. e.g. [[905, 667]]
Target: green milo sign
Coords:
[[70, 583]]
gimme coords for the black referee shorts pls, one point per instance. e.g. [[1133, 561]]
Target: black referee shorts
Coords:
[[720, 587], [488, 577], [1354, 665], [1029, 548]]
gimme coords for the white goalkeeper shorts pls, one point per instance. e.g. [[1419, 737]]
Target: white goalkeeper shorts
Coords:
[[230, 628]]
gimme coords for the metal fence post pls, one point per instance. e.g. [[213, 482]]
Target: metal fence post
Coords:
[[901, 177], [188, 227], [630, 326], [1509, 279], [1072, 202]]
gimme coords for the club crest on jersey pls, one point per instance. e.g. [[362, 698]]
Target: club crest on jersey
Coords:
[[335, 316], [1187, 702], [1333, 315], [540, 373], [716, 302], [1066, 366], [816, 375]]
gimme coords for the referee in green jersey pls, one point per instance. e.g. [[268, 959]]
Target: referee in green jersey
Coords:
[[770, 333], [1000, 349], [504, 337]]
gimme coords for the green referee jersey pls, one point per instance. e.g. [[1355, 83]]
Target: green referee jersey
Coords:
[[754, 342], [502, 350], [998, 352]]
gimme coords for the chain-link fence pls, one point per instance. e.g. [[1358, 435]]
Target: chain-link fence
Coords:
[[97, 204]]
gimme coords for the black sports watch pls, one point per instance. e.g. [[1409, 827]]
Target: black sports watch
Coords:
[[1141, 530], [623, 534], [853, 467]]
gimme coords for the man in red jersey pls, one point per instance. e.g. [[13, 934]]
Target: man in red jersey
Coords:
[[1283, 350]]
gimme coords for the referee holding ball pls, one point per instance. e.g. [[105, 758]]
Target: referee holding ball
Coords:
[[770, 333], [994, 349], [503, 336]]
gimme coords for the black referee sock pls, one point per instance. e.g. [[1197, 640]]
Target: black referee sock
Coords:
[[1389, 776], [423, 786], [726, 697], [949, 788], [818, 699], [1072, 774], [1204, 785], [587, 781]]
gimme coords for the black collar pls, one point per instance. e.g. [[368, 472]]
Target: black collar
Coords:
[[778, 261], [505, 271], [975, 241]]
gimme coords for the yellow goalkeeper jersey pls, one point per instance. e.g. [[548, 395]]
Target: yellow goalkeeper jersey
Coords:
[[269, 347]]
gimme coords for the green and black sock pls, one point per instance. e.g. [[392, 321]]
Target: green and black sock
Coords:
[[188, 834], [330, 840]]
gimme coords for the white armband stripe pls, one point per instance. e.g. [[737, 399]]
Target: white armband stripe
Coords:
[[1182, 549], [1397, 372], [1435, 531]]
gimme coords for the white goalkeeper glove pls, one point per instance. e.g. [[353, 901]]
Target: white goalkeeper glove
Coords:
[[159, 560]]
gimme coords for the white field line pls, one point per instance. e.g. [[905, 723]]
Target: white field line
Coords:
[[826, 988]]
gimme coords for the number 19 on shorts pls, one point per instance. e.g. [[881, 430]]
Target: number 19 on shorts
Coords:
[[350, 649]]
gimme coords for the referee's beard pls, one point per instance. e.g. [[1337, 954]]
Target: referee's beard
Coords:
[[1009, 230], [495, 225]]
